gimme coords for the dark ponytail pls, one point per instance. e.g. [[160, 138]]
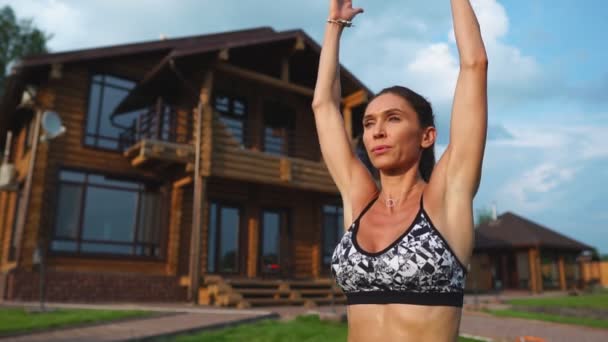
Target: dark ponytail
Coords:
[[423, 108]]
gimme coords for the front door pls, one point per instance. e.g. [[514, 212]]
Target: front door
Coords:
[[274, 246]]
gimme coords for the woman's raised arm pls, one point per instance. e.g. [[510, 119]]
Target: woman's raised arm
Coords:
[[335, 145]]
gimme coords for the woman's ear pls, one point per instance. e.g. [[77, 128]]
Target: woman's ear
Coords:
[[429, 135]]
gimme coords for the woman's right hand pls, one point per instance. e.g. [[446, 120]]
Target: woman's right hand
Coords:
[[343, 9]]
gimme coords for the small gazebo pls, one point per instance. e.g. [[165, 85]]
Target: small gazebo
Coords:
[[512, 252]]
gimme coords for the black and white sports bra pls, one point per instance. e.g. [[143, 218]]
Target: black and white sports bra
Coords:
[[417, 268]]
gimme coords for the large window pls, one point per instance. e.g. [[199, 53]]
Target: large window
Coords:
[[233, 113], [99, 215], [223, 238], [333, 229], [105, 95]]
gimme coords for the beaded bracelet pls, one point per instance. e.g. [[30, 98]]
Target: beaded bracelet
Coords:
[[341, 22]]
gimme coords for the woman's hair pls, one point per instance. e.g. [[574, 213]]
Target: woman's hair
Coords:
[[423, 108]]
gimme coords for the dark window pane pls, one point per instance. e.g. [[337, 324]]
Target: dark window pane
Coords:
[[68, 211], [229, 218], [235, 127], [72, 176], [239, 107], [106, 181], [149, 218], [103, 248], [106, 93], [271, 242], [119, 82], [90, 141], [109, 215], [94, 98], [222, 104], [64, 246], [211, 239]]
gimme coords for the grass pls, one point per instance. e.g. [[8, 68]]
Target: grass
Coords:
[[595, 301], [19, 320], [303, 328], [590, 301], [589, 322]]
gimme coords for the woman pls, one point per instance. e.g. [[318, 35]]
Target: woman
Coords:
[[401, 262]]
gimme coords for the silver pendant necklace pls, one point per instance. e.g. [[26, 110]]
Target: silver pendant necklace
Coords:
[[389, 202]]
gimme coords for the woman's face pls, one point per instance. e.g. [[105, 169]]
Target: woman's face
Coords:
[[392, 134]]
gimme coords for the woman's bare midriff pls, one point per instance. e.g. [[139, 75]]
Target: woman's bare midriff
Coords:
[[402, 322]]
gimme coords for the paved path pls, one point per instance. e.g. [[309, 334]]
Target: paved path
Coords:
[[183, 319], [507, 329]]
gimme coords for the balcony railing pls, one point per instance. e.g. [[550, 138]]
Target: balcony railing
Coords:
[[161, 124]]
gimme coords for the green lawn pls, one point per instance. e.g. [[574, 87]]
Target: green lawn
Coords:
[[597, 301], [590, 301], [589, 322], [303, 328], [18, 320]]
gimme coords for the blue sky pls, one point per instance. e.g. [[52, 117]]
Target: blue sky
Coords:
[[546, 157]]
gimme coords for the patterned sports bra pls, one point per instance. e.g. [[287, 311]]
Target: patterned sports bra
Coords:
[[417, 268]]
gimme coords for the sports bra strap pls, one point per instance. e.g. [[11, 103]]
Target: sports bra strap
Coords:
[[367, 208]]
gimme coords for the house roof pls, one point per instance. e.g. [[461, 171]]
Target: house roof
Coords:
[[510, 231], [32, 67]]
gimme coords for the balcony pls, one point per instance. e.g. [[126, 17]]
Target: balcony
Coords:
[[159, 136]]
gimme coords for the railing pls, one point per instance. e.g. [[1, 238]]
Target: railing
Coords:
[[160, 123], [275, 141]]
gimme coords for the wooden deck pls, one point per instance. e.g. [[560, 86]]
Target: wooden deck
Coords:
[[245, 293]]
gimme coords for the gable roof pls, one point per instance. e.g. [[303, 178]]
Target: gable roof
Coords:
[[510, 230], [31, 67]]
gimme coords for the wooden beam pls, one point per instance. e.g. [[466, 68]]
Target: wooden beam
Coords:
[[199, 190], [355, 99], [261, 78], [183, 182]]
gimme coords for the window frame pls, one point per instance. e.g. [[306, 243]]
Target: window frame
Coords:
[[96, 134], [79, 253], [339, 232], [231, 115], [242, 251]]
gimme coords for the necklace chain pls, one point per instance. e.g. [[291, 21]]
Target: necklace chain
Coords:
[[389, 201]]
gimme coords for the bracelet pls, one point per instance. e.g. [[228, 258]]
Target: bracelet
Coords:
[[341, 22]]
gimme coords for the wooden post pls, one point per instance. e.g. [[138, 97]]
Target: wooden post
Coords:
[[27, 189], [159, 118], [199, 190], [532, 275], [285, 69], [562, 274]]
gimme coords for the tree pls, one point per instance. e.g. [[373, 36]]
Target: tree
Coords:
[[484, 215], [18, 39]]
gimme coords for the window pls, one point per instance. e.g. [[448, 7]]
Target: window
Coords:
[[99, 215], [13, 247], [332, 230], [233, 113], [105, 95], [223, 239], [278, 129]]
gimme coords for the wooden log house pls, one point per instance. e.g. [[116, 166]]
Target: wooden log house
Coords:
[[190, 170]]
